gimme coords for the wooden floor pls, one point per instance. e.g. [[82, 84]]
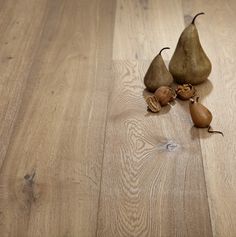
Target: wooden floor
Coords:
[[80, 156]]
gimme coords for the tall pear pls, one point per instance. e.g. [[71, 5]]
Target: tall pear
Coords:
[[157, 74], [189, 63]]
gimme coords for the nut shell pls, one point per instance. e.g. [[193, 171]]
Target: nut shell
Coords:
[[164, 95], [153, 104], [185, 91]]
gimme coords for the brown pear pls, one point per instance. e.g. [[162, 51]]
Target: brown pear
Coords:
[[189, 63], [157, 74], [201, 116]]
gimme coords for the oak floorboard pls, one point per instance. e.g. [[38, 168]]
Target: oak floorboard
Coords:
[[219, 153], [20, 35], [153, 179], [79, 153], [50, 177]]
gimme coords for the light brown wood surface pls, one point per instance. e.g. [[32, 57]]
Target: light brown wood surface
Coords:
[[80, 156]]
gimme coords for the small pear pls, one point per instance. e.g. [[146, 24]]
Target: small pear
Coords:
[[157, 74], [201, 116], [189, 63]]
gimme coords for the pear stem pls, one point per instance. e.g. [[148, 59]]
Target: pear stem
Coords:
[[211, 131], [201, 13], [163, 49], [197, 99]]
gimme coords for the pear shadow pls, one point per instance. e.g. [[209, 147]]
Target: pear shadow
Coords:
[[201, 133], [184, 104], [146, 93], [204, 89], [164, 109], [197, 133], [194, 133]]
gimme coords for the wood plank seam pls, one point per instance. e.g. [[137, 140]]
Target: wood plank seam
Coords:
[[114, 4]]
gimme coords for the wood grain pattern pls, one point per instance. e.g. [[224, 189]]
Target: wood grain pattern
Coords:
[[50, 178], [219, 153], [17, 52], [153, 181], [79, 153], [158, 187], [145, 26]]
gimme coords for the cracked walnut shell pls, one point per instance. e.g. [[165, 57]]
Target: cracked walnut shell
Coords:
[[153, 104], [185, 91]]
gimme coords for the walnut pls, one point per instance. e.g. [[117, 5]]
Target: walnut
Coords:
[[164, 95], [185, 91], [153, 104]]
